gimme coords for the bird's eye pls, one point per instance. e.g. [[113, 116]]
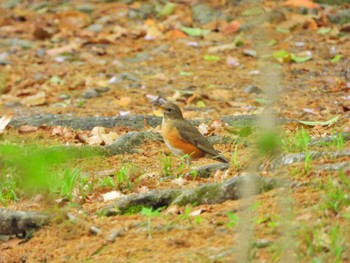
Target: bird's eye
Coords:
[[168, 109]]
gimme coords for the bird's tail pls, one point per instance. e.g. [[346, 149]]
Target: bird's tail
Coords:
[[220, 158]]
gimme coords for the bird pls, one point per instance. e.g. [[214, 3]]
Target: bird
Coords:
[[182, 138]]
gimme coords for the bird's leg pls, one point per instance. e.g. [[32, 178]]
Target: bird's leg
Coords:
[[188, 161]]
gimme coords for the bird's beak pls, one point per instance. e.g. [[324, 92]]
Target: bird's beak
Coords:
[[160, 107]]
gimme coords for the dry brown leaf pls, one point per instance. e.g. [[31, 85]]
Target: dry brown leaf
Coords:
[[58, 50], [72, 20], [34, 100], [223, 47], [98, 130], [152, 32], [68, 133], [109, 138], [175, 34], [301, 3], [231, 27], [94, 140], [172, 210], [57, 131], [123, 101], [179, 181], [27, 129], [142, 189]]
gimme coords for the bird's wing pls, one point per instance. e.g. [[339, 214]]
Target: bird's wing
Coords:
[[190, 134]]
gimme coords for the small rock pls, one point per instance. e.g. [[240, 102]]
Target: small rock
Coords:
[[262, 243], [86, 8], [23, 43], [95, 28], [12, 104], [4, 238], [113, 80], [204, 14], [341, 17], [250, 52], [3, 58], [90, 93], [102, 89], [94, 230], [40, 52], [114, 234], [63, 96], [252, 89], [140, 57]]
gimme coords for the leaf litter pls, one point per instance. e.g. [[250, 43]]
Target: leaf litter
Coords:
[[141, 53]]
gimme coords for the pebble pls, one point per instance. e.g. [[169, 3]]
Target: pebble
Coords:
[[3, 58], [250, 52], [113, 80], [63, 96], [102, 89], [90, 93], [95, 28], [40, 52], [252, 89], [12, 104], [262, 243], [94, 230]]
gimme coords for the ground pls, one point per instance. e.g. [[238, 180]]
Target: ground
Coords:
[[116, 58]]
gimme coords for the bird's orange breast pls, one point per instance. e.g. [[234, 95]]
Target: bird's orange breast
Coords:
[[176, 144]]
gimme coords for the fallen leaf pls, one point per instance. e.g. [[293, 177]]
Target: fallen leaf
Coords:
[[4, 121], [231, 27], [142, 189], [27, 129], [232, 61], [175, 34], [203, 128], [221, 48], [72, 20], [123, 101], [336, 58], [98, 130], [109, 138], [172, 210], [124, 113], [195, 32], [167, 10], [67, 48], [111, 195], [211, 58], [301, 3], [322, 123], [300, 59], [197, 212], [68, 133], [94, 140], [152, 32], [179, 181], [35, 100], [57, 131]]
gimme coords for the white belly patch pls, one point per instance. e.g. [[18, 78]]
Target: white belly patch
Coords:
[[174, 150]]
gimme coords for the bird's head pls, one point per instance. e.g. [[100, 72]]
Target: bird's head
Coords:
[[171, 111]]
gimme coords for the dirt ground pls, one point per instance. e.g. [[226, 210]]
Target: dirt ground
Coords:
[[53, 60]]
